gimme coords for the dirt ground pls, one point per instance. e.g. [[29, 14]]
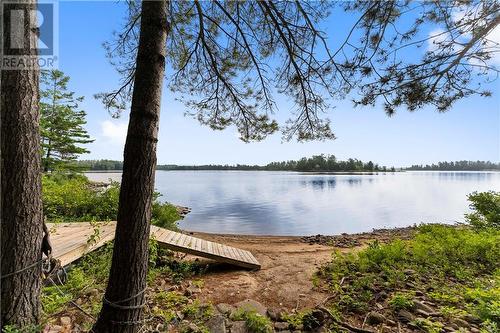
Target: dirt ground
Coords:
[[288, 265], [284, 281]]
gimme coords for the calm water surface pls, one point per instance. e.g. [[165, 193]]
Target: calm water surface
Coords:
[[286, 203]]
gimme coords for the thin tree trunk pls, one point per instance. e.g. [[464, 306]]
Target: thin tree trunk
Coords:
[[21, 204], [127, 279]]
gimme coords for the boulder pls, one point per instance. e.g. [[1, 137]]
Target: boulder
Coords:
[[249, 305], [239, 327], [216, 324], [225, 308]]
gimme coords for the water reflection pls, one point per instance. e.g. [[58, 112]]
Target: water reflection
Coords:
[[284, 203]]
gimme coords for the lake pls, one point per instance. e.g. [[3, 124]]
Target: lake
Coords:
[[289, 203]]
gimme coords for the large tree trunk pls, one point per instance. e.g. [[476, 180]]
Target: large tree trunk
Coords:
[[127, 279], [21, 202]]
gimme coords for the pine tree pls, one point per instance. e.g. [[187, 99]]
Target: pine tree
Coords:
[[61, 122]]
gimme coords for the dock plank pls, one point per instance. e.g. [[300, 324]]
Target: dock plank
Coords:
[[70, 242]]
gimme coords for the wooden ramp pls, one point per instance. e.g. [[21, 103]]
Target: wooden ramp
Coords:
[[71, 241]]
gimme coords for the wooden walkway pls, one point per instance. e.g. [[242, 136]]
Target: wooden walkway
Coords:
[[70, 241]]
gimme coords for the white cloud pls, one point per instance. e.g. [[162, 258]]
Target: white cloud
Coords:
[[492, 43], [435, 37], [114, 131]]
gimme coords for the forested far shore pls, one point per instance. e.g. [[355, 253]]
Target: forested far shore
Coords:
[[319, 163], [458, 166]]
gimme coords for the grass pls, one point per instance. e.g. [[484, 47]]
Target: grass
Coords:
[[401, 301], [255, 322], [456, 267]]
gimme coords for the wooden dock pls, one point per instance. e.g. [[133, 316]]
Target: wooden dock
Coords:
[[71, 241]]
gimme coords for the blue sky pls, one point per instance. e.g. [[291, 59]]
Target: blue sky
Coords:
[[470, 131]]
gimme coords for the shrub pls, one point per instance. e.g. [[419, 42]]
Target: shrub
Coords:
[[485, 208], [254, 321], [73, 198], [401, 301]]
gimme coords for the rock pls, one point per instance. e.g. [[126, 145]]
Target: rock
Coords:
[[239, 327], [409, 272], [460, 323], [475, 330], [375, 318], [472, 319], [192, 290], [275, 314], [93, 292], [405, 316], [65, 321], [281, 326], [421, 306], [216, 324], [179, 315], [225, 308], [422, 313], [251, 305], [448, 329], [56, 328], [192, 327]]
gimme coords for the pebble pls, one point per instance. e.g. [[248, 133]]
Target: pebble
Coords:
[[65, 321]]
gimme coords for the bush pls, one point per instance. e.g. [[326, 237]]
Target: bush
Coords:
[[73, 198], [485, 208], [458, 266], [254, 321]]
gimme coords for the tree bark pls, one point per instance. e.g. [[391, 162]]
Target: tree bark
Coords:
[[127, 279], [21, 201]]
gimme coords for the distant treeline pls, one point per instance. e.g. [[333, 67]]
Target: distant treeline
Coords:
[[318, 163], [99, 165], [459, 166]]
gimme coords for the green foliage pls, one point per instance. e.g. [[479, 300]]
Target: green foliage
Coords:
[[90, 273], [401, 301], [485, 208], [61, 123], [445, 250], [164, 215], [484, 299], [254, 321], [72, 198], [458, 265], [26, 329], [428, 325]]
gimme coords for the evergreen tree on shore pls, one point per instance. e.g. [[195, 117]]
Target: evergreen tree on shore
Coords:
[[62, 123]]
